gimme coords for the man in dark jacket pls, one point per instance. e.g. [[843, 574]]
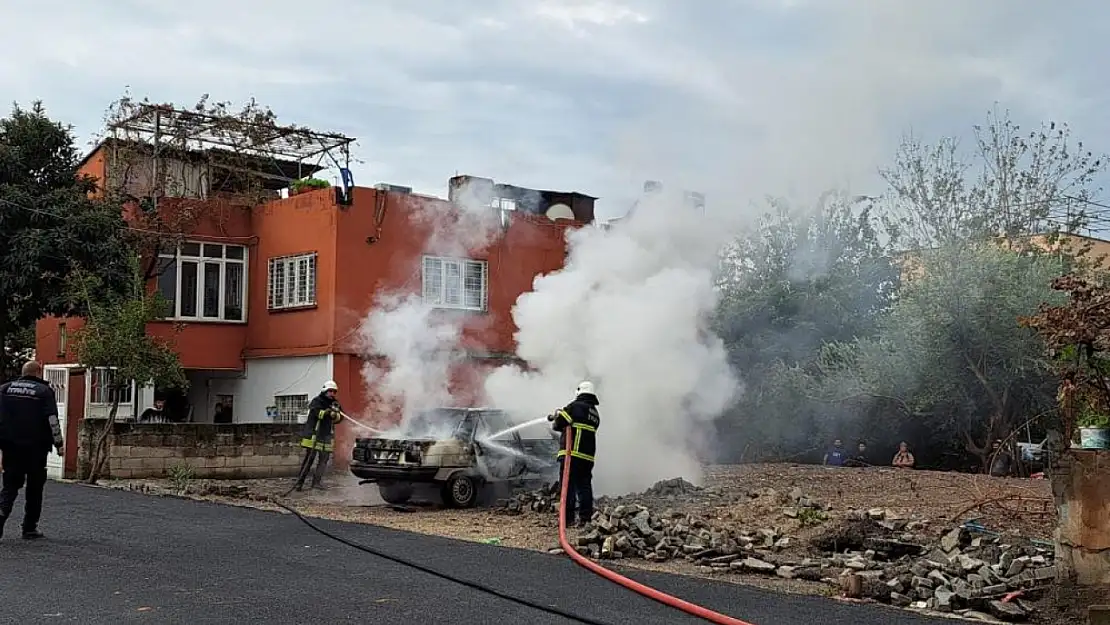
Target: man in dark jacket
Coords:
[[579, 420], [319, 434], [28, 429]]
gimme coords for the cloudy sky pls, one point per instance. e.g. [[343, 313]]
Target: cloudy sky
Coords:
[[736, 98]]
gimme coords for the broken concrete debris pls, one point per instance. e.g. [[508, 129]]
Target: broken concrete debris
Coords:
[[873, 552]]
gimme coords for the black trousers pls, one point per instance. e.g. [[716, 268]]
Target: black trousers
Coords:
[[22, 465], [580, 489], [321, 458]]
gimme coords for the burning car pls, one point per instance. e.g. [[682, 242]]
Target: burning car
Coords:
[[462, 453]]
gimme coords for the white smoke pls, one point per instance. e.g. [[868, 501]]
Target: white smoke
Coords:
[[419, 351], [409, 347], [628, 311]]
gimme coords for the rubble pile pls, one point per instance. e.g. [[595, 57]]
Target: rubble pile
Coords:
[[631, 530], [676, 490], [872, 554], [963, 572], [892, 564]]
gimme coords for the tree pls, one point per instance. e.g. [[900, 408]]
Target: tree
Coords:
[[801, 278], [951, 353], [114, 336], [49, 226], [1077, 341], [19, 348], [1037, 182]]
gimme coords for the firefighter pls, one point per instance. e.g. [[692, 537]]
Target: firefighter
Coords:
[[319, 434], [579, 419], [28, 429]]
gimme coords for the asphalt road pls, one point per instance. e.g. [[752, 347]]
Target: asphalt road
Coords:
[[118, 557]]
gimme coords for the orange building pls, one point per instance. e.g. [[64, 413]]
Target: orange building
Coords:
[[268, 296]]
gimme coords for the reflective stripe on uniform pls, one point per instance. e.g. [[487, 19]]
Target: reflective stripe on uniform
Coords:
[[578, 428], [564, 414], [312, 443]]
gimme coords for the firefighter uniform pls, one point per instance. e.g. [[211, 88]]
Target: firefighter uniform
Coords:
[[28, 429], [319, 434], [579, 420]]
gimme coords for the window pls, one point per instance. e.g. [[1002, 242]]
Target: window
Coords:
[[455, 283], [103, 395], [205, 282], [290, 408], [292, 281], [503, 203]]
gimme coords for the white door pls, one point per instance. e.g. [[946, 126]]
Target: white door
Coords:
[[58, 378]]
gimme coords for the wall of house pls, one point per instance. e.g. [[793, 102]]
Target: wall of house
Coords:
[[267, 377], [95, 166], [299, 224], [211, 451], [200, 344], [530, 246]]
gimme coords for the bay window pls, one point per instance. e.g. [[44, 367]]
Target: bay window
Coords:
[[205, 282]]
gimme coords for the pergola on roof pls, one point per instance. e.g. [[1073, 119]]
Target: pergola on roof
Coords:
[[194, 130]]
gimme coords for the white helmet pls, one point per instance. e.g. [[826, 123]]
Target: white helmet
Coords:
[[330, 385], [585, 387]]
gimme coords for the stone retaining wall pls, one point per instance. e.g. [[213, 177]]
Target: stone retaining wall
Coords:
[[231, 451]]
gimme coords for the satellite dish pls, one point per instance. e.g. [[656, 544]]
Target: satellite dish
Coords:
[[559, 211]]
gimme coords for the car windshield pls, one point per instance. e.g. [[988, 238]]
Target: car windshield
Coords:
[[458, 423], [437, 423]]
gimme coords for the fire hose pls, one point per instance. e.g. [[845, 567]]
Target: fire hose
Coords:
[[613, 576]]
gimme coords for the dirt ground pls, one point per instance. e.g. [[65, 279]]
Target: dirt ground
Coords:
[[749, 496]]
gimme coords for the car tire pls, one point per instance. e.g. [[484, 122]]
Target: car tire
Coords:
[[395, 492], [460, 491]]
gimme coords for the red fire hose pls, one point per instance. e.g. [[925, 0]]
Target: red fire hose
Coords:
[[647, 591]]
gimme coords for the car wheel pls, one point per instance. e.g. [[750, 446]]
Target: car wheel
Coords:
[[460, 491], [395, 492]]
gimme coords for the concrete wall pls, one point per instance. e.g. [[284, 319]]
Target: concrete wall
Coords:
[[212, 451], [1081, 488]]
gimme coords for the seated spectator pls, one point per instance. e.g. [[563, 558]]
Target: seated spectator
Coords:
[[155, 414], [1002, 462], [835, 456], [860, 459], [903, 459]]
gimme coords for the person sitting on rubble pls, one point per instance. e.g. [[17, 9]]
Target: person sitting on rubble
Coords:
[[903, 459], [1001, 460], [835, 456], [860, 459]]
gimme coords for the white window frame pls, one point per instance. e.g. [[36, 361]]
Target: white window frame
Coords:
[[200, 260], [291, 408], [503, 203], [99, 405], [439, 296], [297, 285]]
